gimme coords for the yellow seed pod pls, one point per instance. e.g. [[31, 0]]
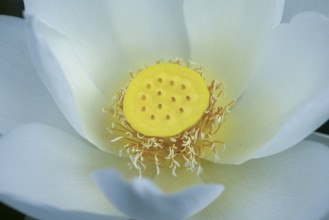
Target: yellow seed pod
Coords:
[[165, 99]]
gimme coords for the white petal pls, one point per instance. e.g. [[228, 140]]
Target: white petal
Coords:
[[293, 7], [46, 173], [23, 98], [87, 28], [149, 30], [141, 199], [74, 92], [169, 183], [318, 137], [225, 36], [305, 105], [50, 213], [112, 37], [288, 98], [292, 185]]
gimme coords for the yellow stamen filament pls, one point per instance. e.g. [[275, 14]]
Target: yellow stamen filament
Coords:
[[183, 149]]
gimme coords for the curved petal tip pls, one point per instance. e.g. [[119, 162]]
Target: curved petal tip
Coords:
[[142, 199]]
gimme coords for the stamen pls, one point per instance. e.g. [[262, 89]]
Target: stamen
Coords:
[[184, 149]]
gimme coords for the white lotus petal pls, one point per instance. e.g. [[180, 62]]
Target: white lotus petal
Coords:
[[92, 41], [292, 185], [43, 169], [305, 104], [118, 35], [23, 98], [225, 36], [288, 98], [169, 183], [141, 199], [318, 137], [75, 94], [293, 7], [50, 213], [149, 30]]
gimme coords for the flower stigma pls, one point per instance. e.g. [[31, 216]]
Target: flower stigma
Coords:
[[167, 116], [164, 100]]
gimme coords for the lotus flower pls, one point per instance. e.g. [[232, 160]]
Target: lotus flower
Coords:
[[209, 124]]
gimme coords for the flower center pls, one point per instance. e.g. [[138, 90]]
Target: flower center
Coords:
[[165, 99], [167, 117]]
